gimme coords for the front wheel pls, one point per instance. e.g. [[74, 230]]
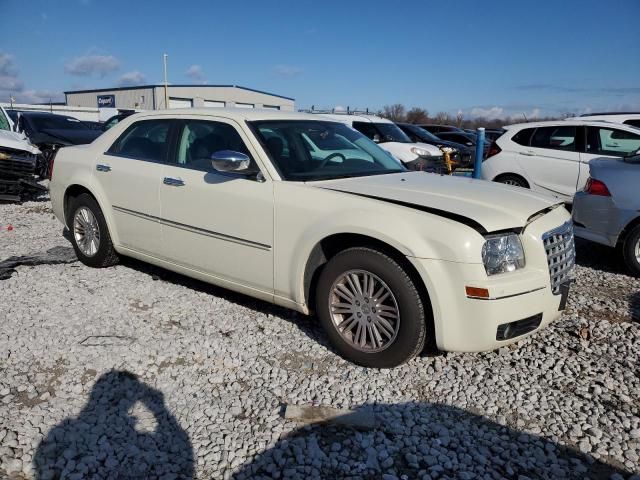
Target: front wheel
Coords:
[[631, 251], [370, 308], [89, 234]]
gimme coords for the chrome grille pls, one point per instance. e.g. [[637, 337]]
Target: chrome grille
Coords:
[[561, 254]]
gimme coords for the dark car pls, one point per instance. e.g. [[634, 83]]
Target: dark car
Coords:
[[463, 155], [465, 138], [492, 134], [435, 129], [49, 132]]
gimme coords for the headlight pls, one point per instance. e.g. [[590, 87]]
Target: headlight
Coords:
[[502, 253], [420, 152]]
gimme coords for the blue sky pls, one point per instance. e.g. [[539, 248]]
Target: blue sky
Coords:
[[495, 58]]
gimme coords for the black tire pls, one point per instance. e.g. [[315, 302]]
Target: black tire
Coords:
[[411, 333], [512, 179], [106, 255], [629, 252]]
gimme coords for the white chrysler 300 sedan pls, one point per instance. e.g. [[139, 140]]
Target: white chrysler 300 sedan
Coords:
[[387, 258]]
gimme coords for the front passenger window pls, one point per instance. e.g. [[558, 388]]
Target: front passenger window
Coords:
[[144, 140], [199, 140]]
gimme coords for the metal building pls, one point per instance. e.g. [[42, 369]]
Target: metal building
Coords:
[[152, 97]]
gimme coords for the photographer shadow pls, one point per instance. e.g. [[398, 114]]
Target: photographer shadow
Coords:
[[125, 431]]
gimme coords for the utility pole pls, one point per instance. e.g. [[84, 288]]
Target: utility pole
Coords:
[[166, 88]]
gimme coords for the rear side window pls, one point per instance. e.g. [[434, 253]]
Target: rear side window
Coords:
[[633, 123], [555, 138], [523, 137], [144, 140]]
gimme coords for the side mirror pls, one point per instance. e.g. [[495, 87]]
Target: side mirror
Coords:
[[230, 161]]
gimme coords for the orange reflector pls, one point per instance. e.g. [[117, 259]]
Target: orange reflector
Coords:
[[477, 292]]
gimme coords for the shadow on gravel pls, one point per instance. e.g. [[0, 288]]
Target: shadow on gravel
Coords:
[[599, 257], [53, 256], [307, 324], [124, 432], [634, 307], [421, 441]]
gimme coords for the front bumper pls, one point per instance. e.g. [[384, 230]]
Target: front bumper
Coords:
[[472, 324]]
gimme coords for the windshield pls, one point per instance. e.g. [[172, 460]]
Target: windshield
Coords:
[[57, 122], [422, 134], [307, 150], [4, 121]]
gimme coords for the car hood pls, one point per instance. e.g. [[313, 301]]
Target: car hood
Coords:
[[74, 137], [485, 206], [16, 141]]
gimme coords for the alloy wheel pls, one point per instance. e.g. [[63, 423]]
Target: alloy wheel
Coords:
[[364, 311], [86, 231]]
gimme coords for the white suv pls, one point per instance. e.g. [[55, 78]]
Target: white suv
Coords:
[[553, 157], [387, 258], [415, 156], [627, 118]]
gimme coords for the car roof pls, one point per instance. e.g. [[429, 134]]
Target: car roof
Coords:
[[552, 123], [238, 114], [348, 117]]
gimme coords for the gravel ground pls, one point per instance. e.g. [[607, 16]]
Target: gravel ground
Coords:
[[136, 372]]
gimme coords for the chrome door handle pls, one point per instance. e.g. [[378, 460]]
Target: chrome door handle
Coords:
[[173, 182], [102, 167]]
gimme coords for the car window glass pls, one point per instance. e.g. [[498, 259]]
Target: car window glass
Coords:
[[633, 123], [523, 137], [200, 139], [144, 140], [4, 123], [555, 138], [367, 129], [610, 141]]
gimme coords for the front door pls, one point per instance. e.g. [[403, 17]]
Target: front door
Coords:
[[217, 223], [552, 161], [130, 173]]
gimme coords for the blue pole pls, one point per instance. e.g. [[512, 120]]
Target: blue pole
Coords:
[[479, 152]]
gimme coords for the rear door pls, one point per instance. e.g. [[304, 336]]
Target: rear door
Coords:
[[607, 142], [130, 173], [552, 161]]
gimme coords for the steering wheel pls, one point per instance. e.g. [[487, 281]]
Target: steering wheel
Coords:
[[328, 159]]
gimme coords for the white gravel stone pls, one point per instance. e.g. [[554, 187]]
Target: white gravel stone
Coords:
[[210, 372]]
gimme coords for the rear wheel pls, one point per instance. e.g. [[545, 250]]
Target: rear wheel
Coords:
[[631, 251], [512, 179], [370, 308], [89, 234]]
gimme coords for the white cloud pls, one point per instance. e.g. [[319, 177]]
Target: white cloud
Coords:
[[195, 72], [287, 70], [88, 65], [11, 86], [10, 83], [489, 113], [132, 78]]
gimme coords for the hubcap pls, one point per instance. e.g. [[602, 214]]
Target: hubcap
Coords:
[[515, 183], [364, 311], [86, 231], [637, 249]]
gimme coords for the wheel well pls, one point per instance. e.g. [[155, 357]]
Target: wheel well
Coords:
[[330, 246], [625, 231], [72, 192], [520, 177]]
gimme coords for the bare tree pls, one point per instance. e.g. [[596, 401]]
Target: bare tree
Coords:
[[459, 119], [417, 115], [443, 118], [395, 112]]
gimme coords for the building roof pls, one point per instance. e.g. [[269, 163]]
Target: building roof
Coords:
[[139, 87]]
